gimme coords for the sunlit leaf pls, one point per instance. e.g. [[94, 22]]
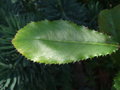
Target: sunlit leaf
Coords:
[[59, 42]]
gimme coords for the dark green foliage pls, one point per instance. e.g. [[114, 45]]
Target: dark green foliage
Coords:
[[63, 9], [109, 3], [18, 73], [8, 6], [109, 23], [58, 9], [94, 8], [117, 82]]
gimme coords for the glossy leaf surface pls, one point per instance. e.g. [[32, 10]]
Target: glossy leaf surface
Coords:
[[60, 42]]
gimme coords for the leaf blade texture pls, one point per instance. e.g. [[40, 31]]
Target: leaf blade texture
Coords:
[[60, 42]]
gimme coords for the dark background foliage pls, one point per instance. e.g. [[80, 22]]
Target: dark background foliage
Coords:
[[17, 73]]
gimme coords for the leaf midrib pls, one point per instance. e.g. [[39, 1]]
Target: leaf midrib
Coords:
[[79, 42]]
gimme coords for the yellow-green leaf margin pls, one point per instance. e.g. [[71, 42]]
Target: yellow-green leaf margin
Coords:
[[60, 42]]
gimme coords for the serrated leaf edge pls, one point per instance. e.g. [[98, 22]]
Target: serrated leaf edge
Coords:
[[84, 58]]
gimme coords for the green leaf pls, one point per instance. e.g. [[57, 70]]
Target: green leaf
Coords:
[[109, 22], [117, 82], [59, 42]]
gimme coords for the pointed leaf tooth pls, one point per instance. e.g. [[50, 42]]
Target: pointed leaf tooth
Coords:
[[61, 42]]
